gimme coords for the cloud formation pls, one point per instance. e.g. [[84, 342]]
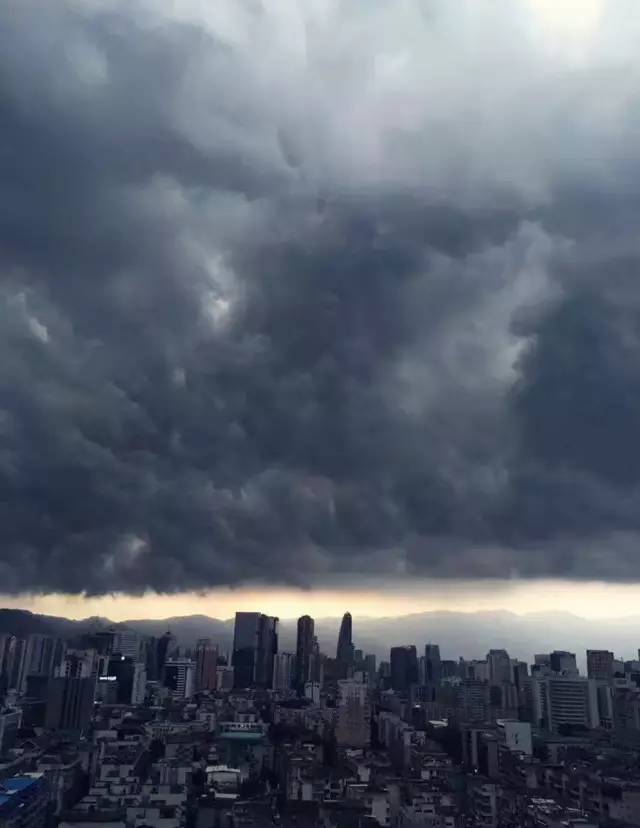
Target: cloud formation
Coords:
[[296, 291]]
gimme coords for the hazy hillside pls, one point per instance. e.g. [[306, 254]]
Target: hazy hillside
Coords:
[[458, 634]]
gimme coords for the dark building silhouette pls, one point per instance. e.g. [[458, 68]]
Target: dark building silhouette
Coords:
[[255, 642], [432, 665], [206, 658], [122, 668], [164, 645], [404, 668], [304, 652], [344, 650], [69, 703]]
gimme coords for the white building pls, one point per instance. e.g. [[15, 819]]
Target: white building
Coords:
[[569, 700]]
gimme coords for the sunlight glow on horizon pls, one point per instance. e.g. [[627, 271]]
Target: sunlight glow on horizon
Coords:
[[588, 599]]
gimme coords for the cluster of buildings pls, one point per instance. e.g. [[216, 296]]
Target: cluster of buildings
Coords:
[[133, 731]]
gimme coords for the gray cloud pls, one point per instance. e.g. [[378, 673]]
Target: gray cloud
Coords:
[[288, 292]]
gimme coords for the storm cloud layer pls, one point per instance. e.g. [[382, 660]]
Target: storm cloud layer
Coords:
[[292, 292]]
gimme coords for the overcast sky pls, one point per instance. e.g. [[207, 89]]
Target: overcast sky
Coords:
[[292, 291]]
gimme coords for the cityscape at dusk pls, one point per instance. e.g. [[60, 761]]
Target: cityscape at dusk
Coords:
[[319, 413]]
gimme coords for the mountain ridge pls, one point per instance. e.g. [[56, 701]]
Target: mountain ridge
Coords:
[[466, 634]]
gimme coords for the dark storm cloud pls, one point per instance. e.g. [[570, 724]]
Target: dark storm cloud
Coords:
[[279, 312]]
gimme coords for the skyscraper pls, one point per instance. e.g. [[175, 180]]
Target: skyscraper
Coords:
[[304, 651], [69, 703], [206, 664], [404, 668], [432, 665], [164, 647], [179, 676], [283, 670], [600, 664], [353, 728], [255, 642], [344, 651], [499, 666]]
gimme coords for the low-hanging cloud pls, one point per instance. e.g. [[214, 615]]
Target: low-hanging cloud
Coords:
[[292, 291]]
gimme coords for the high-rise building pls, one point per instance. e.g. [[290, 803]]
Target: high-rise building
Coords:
[[304, 651], [499, 667], [432, 665], [206, 665], [284, 670], [600, 664], [370, 667], [472, 700], [316, 668], [255, 643], [563, 662], [404, 668], [179, 677], [224, 678], [69, 703], [564, 700], [126, 642], [165, 646], [79, 664], [10, 723], [353, 727], [17, 655], [130, 677], [40, 655], [344, 650]]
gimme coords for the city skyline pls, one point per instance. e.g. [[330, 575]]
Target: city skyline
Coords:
[[324, 312]]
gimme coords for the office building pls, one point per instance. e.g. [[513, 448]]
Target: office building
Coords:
[[69, 703], [80, 664], [16, 656], [564, 700], [344, 650], [284, 670], [224, 678], [304, 651], [10, 723], [164, 648], [130, 677], [600, 664], [404, 669], [472, 700], [206, 657], [432, 665], [370, 667], [179, 677], [127, 643], [353, 727], [499, 667], [255, 643], [41, 654], [561, 661]]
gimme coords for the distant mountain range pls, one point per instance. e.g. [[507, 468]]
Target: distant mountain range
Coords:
[[469, 635]]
